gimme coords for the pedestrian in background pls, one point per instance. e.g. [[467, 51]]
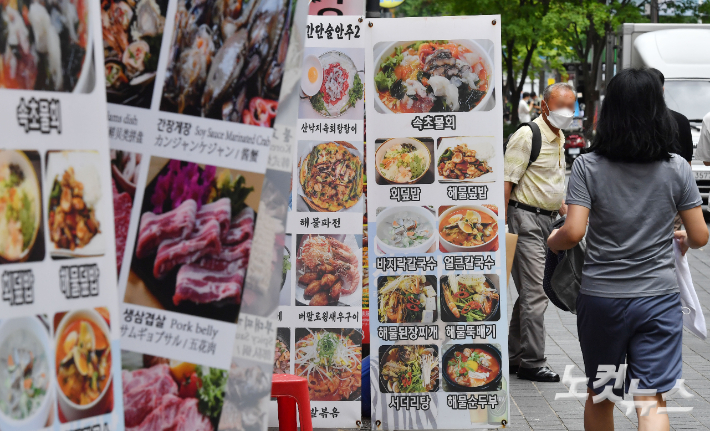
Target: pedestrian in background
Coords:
[[524, 108], [683, 140], [629, 188], [534, 195]]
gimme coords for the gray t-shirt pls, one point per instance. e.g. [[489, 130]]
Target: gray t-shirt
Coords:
[[630, 234]]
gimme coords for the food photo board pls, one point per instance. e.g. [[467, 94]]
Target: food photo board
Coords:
[[320, 304], [438, 332], [60, 363], [193, 90]]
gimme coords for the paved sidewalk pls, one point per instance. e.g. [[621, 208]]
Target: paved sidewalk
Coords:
[[533, 405]]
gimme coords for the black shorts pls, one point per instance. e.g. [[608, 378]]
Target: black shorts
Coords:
[[646, 333]]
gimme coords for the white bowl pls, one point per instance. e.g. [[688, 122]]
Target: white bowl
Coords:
[[39, 417], [20, 158], [453, 248], [388, 215], [380, 154], [70, 409], [468, 43], [308, 87]]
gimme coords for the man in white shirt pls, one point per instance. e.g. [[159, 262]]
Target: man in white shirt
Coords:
[[524, 108], [703, 152]]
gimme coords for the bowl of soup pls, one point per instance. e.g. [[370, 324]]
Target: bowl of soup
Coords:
[[467, 228], [472, 367], [405, 230], [83, 364], [26, 385]]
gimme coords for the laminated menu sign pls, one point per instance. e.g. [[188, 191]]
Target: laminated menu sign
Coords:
[[59, 319], [320, 307], [435, 211], [193, 90]]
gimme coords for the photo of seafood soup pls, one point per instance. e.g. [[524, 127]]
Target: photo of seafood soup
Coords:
[[405, 230], [83, 361], [467, 227], [471, 367]]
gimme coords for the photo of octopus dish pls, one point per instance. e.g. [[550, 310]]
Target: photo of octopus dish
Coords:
[[472, 367], [331, 361], [433, 76], [409, 369], [226, 59], [331, 177], [44, 45]]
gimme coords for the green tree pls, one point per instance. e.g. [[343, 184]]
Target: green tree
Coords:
[[582, 26]]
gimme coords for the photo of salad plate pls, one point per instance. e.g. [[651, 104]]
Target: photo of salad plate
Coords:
[[402, 160]]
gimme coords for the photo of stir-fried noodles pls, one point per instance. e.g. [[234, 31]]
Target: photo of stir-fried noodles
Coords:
[[468, 297], [406, 298], [331, 361], [409, 369]]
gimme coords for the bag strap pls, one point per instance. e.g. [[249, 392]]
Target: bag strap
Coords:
[[536, 142]]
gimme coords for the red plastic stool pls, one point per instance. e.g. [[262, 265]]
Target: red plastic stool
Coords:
[[290, 390]]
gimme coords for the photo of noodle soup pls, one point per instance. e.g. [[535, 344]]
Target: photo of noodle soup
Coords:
[[83, 363], [466, 228]]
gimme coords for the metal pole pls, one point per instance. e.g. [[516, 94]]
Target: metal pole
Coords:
[[654, 11]]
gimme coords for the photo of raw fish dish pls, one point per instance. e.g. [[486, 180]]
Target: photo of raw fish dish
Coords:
[[132, 35], [20, 210], [193, 240], [167, 394], [432, 76], [403, 162], [342, 86], [226, 59], [43, 45], [328, 270]]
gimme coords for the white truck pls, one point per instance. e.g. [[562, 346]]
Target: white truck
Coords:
[[682, 53]]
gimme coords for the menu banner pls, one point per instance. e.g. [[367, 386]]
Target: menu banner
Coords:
[[320, 306], [438, 332], [193, 90], [59, 319]]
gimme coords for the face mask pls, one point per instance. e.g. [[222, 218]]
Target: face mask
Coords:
[[560, 118]]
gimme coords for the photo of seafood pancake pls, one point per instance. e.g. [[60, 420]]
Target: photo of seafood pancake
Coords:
[[434, 76], [332, 83], [226, 59], [132, 34], [330, 175], [46, 45]]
